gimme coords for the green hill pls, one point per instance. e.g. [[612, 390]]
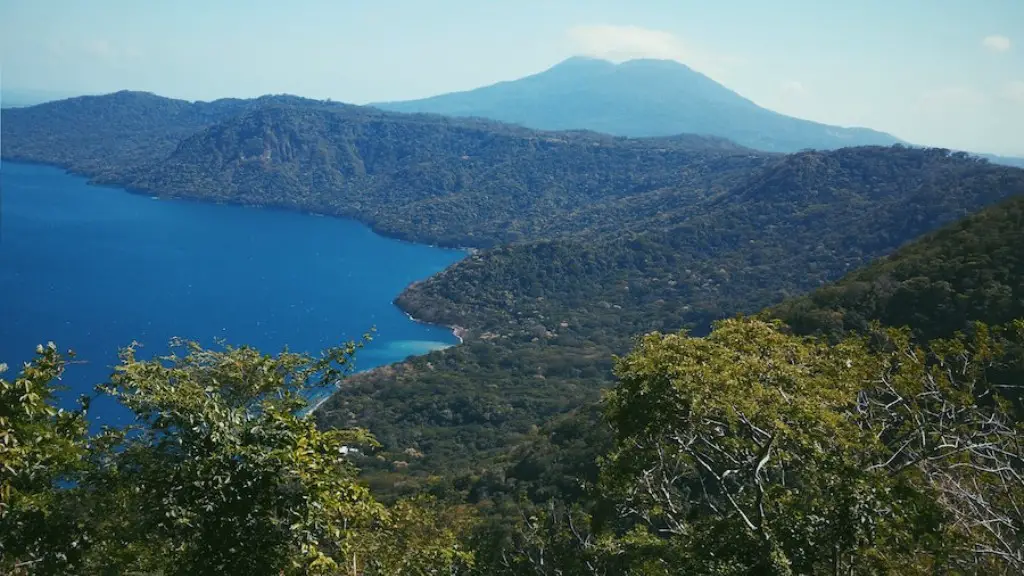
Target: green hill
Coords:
[[429, 179], [969, 271], [862, 456], [422, 178], [592, 239], [545, 317], [103, 136], [972, 271]]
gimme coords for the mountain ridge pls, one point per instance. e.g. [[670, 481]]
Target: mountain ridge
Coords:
[[437, 180]]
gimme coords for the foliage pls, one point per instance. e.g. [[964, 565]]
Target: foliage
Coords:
[[750, 450], [756, 451], [870, 456], [967, 272], [221, 475], [421, 178], [103, 136], [544, 317], [41, 447], [875, 453]]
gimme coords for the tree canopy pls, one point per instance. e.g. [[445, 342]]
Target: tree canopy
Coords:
[[221, 474]]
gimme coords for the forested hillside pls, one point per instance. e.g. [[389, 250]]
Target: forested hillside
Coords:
[[948, 281], [105, 136], [546, 317], [748, 451], [969, 272], [740, 448], [802, 221], [597, 239], [429, 179], [422, 178]]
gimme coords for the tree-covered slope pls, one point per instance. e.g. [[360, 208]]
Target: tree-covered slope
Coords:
[[102, 136], [545, 317], [971, 271], [424, 178], [749, 451], [416, 177], [639, 98], [801, 222], [602, 238]]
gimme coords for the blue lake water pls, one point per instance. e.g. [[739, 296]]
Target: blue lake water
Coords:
[[94, 268]]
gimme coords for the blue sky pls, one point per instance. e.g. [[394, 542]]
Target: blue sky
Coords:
[[936, 72]]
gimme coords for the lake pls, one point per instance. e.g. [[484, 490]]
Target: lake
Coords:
[[94, 268]]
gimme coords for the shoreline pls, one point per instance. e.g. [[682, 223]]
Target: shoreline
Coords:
[[458, 332], [117, 182]]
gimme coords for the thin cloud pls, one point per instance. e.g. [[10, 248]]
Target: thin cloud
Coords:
[[100, 49], [105, 51], [1014, 92], [794, 88], [953, 96], [996, 43], [621, 43]]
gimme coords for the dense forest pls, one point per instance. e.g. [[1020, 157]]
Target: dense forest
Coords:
[[600, 239], [936, 286], [104, 136], [600, 416], [545, 318], [748, 451], [429, 179], [967, 272]]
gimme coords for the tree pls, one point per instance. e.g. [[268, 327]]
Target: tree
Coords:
[[41, 447], [223, 473], [755, 450]]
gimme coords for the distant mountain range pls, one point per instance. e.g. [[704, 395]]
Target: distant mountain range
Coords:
[[639, 98], [1014, 161]]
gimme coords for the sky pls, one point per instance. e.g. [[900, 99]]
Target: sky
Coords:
[[933, 72]]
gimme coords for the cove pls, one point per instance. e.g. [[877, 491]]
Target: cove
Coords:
[[94, 268]]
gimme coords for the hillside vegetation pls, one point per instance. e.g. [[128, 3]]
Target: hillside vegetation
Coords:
[[968, 272], [428, 179], [749, 451], [544, 318], [935, 286], [741, 447], [466, 183], [594, 239], [105, 136]]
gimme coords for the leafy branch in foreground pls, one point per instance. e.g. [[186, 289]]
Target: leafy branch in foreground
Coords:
[[40, 447], [786, 455], [222, 474]]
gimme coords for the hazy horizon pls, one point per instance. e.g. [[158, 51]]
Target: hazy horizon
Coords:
[[938, 73]]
